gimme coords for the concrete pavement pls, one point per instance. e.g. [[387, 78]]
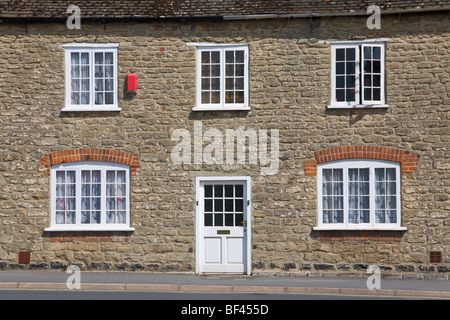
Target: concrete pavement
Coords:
[[143, 281]]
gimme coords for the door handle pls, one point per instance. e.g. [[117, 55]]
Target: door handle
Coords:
[[245, 223]]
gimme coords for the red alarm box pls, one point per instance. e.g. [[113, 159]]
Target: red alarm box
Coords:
[[132, 82]]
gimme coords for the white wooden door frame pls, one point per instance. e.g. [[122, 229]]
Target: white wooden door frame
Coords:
[[198, 227]]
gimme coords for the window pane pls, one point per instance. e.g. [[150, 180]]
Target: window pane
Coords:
[[75, 58], [239, 205], [98, 72], [85, 216], [340, 82], [353, 216], [109, 71], [350, 95], [95, 217], [350, 81], [365, 216], [60, 204], [218, 190], [215, 70], [218, 205], [367, 53], [340, 68], [218, 220], [340, 54], [376, 81], [70, 217], [338, 216], [367, 66], [208, 190], [215, 84], [206, 56], [229, 97], [208, 205], [109, 98], [110, 217], [239, 97], [239, 70], [337, 174], [391, 216], [380, 216], [350, 68], [376, 52], [239, 220], [390, 174], [208, 220], [75, 73], [215, 57], [206, 97], [327, 174], [229, 220], [239, 83], [109, 58], [60, 217], [98, 58], [206, 71], [206, 84], [376, 66], [96, 203], [340, 95], [379, 174], [229, 205], [84, 58], [98, 98], [215, 97], [229, 190], [363, 174], [239, 56], [239, 190], [367, 93], [229, 56]]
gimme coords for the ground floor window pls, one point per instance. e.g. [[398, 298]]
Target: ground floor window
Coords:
[[90, 196], [359, 194]]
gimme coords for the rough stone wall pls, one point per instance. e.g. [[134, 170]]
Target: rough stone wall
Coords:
[[289, 91]]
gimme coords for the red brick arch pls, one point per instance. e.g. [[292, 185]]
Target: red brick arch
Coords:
[[95, 154], [409, 161]]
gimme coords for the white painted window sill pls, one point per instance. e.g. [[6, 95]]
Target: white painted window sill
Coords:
[[75, 228], [337, 228], [69, 109], [221, 109], [359, 106]]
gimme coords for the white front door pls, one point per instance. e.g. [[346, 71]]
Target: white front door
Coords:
[[223, 225]]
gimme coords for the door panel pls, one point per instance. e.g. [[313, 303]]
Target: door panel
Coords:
[[213, 250]]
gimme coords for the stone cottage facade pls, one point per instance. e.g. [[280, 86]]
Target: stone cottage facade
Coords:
[[260, 138]]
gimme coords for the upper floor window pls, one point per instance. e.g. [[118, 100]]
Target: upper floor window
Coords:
[[359, 194], [358, 74], [90, 195], [91, 77], [222, 77]]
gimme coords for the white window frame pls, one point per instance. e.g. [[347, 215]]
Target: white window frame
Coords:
[[78, 226], [222, 106], [359, 82], [90, 48], [360, 164]]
